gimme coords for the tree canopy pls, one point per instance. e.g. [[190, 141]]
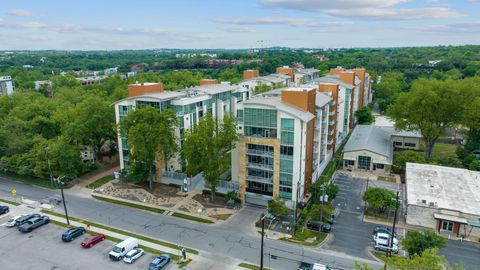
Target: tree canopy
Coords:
[[416, 242]]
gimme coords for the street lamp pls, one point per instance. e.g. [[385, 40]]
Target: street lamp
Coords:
[[61, 183]]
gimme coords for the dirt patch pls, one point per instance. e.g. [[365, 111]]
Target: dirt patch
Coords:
[[219, 202], [221, 217], [162, 190]]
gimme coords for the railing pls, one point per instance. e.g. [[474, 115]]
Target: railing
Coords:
[[227, 185], [260, 179], [175, 175], [259, 165], [259, 152]]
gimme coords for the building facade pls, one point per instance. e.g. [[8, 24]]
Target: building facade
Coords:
[[6, 85], [444, 199]]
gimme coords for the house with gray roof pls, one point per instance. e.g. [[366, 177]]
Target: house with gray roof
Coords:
[[369, 148]]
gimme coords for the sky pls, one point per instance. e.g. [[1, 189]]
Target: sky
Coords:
[[231, 24]]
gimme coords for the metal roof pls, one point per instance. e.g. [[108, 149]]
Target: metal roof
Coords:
[[161, 96], [370, 138], [322, 99], [333, 79]]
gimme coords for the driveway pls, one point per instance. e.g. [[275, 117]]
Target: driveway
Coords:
[[243, 221], [350, 235]]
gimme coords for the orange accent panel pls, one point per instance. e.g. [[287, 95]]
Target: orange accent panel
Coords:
[[285, 70], [208, 81], [304, 100], [250, 73], [142, 89]]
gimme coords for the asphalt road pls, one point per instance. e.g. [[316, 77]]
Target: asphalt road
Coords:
[[43, 249], [217, 242], [350, 234], [463, 253]]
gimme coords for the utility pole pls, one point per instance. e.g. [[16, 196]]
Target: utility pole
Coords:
[[261, 247], [296, 206], [323, 199], [63, 199], [390, 245]]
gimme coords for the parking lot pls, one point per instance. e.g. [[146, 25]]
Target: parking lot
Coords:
[[43, 249]]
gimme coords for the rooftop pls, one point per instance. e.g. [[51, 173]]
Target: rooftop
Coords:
[[213, 89], [443, 187], [145, 84], [371, 138], [333, 79], [322, 99], [308, 71], [160, 96], [276, 102], [402, 133]]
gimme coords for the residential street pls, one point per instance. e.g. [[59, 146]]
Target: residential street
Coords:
[[217, 242]]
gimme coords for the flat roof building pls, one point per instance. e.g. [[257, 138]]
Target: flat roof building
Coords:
[[445, 199]]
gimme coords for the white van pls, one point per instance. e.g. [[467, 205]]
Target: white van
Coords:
[[122, 248]]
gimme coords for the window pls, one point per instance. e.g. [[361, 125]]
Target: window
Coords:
[[240, 115], [286, 150], [397, 143], [288, 124], [447, 226], [286, 179], [260, 132], [260, 117], [364, 162], [349, 163], [287, 138], [410, 144], [286, 165], [380, 166]]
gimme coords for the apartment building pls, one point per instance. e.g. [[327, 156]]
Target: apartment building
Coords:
[[282, 147], [189, 104], [6, 85], [253, 81]]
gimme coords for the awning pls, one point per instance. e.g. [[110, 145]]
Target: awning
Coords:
[[450, 218], [474, 223]]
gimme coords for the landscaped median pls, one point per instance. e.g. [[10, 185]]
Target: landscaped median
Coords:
[[100, 182], [143, 206], [122, 232], [9, 202], [251, 266]]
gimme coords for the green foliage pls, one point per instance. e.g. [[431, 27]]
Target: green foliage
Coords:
[[230, 75], [100, 182], [206, 148], [278, 208], [401, 158], [364, 116], [150, 134], [474, 165], [416, 242], [390, 86], [233, 195], [431, 107], [261, 89], [380, 198]]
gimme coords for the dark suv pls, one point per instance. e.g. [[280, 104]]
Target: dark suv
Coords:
[[318, 226], [4, 209], [72, 233], [33, 223]]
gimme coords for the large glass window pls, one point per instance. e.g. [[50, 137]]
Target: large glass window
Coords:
[[240, 115], [124, 110], [287, 138], [260, 117], [288, 124], [286, 151], [286, 179], [286, 165], [364, 162], [260, 132], [447, 226]]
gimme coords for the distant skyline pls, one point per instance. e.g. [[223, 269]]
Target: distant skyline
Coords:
[[231, 24]]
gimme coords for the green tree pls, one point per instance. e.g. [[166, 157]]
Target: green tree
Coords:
[[391, 85], [364, 116], [150, 134], [474, 165], [400, 160], [277, 208], [380, 199], [416, 242], [431, 107], [206, 147], [230, 75]]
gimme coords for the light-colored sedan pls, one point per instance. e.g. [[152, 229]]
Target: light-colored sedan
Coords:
[[133, 255], [13, 221]]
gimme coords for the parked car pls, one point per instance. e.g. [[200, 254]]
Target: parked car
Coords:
[[33, 223], [318, 226], [25, 218], [91, 240], [382, 229], [384, 237], [159, 262], [4, 209], [122, 248], [72, 233], [13, 221], [383, 244], [315, 266], [133, 254]]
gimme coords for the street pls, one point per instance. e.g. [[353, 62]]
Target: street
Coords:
[[216, 242]]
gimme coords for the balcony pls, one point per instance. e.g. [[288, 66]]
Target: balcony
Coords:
[[260, 166], [259, 153], [260, 179], [331, 132]]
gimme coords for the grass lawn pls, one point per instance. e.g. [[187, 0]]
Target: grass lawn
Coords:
[[192, 218], [380, 217], [443, 150], [386, 178], [301, 236], [251, 266], [9, 202], [100, 182]]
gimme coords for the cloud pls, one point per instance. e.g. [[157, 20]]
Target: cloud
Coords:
[[31, 25], [460, 27], [365, 9], [19, 13], [297, 22], [240, 29]]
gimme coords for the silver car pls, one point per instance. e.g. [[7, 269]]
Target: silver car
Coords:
[[13, 221], [133, 254]]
